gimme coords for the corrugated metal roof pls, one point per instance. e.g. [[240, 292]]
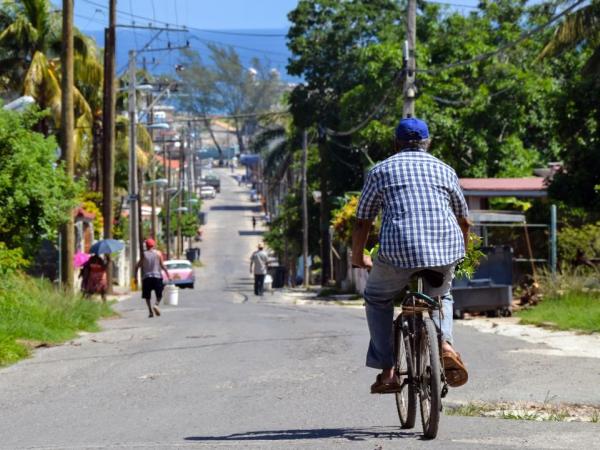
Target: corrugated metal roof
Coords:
[[503, 184]]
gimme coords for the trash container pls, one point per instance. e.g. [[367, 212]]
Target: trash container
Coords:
[[192, 254], [278, 274], [490, 289], [202, 217]]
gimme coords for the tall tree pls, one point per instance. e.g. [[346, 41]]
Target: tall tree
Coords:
[[227, 86], [326, 39], [67, 139], [30, 50]]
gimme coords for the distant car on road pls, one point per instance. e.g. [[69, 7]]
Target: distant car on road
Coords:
[[208, 192], [212, 180], [181, 272]]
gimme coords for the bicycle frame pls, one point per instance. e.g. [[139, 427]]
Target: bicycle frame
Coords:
[[409, 331]]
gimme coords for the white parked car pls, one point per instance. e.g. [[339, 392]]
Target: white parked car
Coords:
[[208, 192]]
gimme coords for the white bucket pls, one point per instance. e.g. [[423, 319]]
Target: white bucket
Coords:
[[268, 283], [171, 295]]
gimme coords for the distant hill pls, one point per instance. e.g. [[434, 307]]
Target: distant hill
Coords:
[[267, 48]]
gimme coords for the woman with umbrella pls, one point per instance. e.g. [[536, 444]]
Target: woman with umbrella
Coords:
[[94, 270], [93, 273]]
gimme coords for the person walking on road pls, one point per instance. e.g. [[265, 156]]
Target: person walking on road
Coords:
[[152, 264], [253, 223], [258, 266], [424, 225]]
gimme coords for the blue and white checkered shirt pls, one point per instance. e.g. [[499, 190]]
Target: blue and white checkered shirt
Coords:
[[421, 200]]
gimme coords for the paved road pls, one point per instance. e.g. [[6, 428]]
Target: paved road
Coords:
[[225, 369]]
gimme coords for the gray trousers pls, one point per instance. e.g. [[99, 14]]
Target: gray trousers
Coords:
[[385, 282]]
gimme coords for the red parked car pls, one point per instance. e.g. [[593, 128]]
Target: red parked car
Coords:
[[181, 271]]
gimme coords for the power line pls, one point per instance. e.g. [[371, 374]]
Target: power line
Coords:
[[369, 116], [478, 58], [210, 41], [203, 30]]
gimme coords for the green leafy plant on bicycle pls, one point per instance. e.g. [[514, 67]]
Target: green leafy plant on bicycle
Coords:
[[465, 269]]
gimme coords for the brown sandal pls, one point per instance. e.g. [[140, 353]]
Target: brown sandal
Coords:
[[454, 369], [384, 388]]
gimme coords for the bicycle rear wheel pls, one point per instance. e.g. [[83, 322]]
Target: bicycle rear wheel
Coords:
[[406, 399], [430, 378]]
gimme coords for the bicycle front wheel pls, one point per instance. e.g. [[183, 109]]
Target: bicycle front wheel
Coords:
[[430, 378], [406, 399]]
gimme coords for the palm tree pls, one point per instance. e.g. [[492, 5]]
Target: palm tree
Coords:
[[580, 26], [30, 50], [277, 147]]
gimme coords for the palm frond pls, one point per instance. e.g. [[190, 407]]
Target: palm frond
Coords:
[[20, 33], [264, 138], [577, 27], [274, 157]]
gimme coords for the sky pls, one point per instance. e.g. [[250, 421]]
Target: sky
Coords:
[[204, 14], [264, 22]]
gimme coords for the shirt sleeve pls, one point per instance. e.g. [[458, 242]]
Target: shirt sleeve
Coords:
[[457, 199], [370, 198]]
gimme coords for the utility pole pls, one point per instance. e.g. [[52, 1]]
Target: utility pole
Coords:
[[133, 183], [108, 138], [180, 199], [553, 240], [190, 173], [325, 209], [67, 144], [410, 64], [167, 155], [304, 208]]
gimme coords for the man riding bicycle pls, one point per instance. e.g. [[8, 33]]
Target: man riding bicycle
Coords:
[[424, 225]]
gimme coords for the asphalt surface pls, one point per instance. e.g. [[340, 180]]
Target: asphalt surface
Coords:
[[225, 369]]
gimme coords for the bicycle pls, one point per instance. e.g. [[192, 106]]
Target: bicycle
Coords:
[[419, 366]]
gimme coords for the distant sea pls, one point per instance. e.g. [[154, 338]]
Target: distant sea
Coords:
[[271, 50]]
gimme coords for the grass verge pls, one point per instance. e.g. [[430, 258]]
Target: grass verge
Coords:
[[33, 313], [527, 411], [573, 310]]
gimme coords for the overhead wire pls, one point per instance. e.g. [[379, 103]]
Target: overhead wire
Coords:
[[204, 30], [481, 57], [371, 114], [500, 50]]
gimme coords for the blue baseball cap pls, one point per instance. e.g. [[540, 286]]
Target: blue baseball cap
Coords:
[[412, 129]]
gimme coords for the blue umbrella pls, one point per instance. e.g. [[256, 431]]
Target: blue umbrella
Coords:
[[107, 246]]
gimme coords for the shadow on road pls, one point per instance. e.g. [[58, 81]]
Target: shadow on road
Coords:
[[256, 208], [251, 233], [350, 434]]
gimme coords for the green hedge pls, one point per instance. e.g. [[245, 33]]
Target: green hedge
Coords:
[[34, 311]]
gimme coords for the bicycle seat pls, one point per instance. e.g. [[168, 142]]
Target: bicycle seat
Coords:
[[435, 279]]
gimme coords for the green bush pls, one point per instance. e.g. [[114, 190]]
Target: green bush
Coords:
[[33, 310], [36, 195], [585, 238], [11, 260]]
